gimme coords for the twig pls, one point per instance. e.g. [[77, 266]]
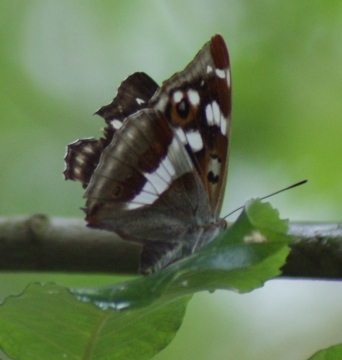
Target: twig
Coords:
[[42, 244], [316, 252]]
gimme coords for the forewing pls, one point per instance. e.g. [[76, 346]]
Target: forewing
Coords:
[[197, 103]]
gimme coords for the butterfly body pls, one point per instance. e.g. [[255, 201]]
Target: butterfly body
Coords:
[[157, 177]]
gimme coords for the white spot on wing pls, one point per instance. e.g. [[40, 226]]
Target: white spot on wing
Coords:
[[175, 164], [88, 150], [181, 135], [214, 116], [163, 173], [216, 112], [220, 73], [177, 96], [224, 126], [209, 69], [77, 171], [195, 140], [228, 77], [116, 124], [149, 188], [161, 104], [209, 114], [169, 166], [214, 168], [161, 178], [147, 196], [158, 183], [144, 198], [132, 206], [179, 157], [193, 97], [140, 101], [80, 159]]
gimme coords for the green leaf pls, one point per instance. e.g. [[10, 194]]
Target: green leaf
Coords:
[[242, 258], [332, 353], [136, 319], [47, 322]]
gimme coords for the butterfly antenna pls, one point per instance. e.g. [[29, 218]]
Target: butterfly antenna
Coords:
[[269, 195]]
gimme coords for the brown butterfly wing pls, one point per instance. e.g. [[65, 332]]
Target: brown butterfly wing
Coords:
[[147, 190], [158, 176], [83, 155], [197, 102]]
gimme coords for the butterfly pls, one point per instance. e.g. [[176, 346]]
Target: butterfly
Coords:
[[157, 176]]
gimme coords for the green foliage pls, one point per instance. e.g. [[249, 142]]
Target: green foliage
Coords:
[[47, 322], [332, 353], [136, 319], [61, 60], [242, 258]]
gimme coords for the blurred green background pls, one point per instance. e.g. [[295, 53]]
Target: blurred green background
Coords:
[[61, 60]]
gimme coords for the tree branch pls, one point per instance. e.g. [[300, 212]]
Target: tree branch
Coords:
[[43, 244], [39, 243], [316, 252]]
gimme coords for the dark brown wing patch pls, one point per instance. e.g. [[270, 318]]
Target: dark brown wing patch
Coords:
[[197, 102]]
